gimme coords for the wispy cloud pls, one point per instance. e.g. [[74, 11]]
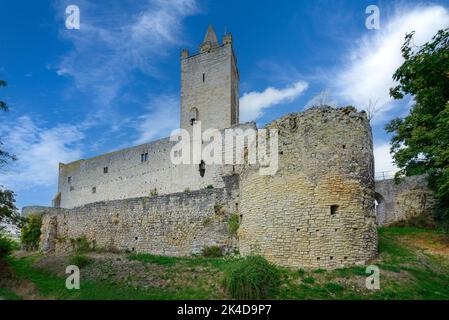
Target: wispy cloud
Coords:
[[39, 150], [375, 57], [253, 104], [161, 118], [114, 41]]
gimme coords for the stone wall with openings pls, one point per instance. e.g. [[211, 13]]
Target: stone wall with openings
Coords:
[[178, 224], [402, 200], [317, 211]]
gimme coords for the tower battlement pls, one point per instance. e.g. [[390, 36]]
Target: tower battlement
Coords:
[[210, 84]]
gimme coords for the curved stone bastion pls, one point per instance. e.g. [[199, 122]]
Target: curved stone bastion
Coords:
[[318, 210]]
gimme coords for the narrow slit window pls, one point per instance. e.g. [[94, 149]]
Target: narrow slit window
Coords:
[[144, 157], [334, 210], [105, 170], [202, 168], [204, 77], [94, 189], [69, 179]]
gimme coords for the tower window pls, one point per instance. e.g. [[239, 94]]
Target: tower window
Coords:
[[69, 179], [193, 116], [105, 170], [94, 189], [334, 209], [204, 77], [144, 157], [202, 168]]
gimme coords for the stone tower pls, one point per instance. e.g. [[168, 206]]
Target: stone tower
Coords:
[[210, 84]]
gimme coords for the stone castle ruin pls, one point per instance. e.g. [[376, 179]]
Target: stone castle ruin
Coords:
[[316, 211]]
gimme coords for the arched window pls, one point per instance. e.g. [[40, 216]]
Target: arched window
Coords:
[[193, 116], [379, 205]]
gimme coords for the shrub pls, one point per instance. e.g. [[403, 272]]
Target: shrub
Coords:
[[423, 220], [233, 224], [31, 232], [207, 221], [251, 278], [187, 190], [80, 244], [210, 186], [309, 280], [80, 261], [6, 245], [212, 252], [153, 193]]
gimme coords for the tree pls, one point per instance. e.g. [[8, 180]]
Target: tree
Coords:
[[420, 142], [4, 156], [8, 210], [371, 109]]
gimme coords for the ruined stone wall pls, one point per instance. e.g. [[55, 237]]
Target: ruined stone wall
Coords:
[[175, 225], [408, 198], [128, 177], [318, 210]]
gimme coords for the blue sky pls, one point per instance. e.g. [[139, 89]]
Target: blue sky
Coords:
[[115, 82]]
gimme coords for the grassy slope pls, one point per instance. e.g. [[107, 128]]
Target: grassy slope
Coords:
[[408, 271]]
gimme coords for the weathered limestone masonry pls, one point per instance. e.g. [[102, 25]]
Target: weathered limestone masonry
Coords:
[[318, 210], [401, 201], [178, 224]]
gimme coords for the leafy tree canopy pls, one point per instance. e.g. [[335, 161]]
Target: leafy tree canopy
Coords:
[[8, 210], [420, 142]]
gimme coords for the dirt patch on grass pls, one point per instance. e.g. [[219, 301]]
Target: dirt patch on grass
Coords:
[[435, 244]]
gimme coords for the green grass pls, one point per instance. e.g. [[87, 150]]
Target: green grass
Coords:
[[5, 294], [406, 272], [52, 286], [81, 261], [149, 258]]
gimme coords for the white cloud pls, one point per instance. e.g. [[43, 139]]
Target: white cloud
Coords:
[[252, 104], [113, 41], [383, 159], [376, 56], [39, 152], [161, 119]]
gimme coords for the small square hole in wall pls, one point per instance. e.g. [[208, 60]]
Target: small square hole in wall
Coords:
[[331, 258], [135, 238], [345, 258], [94, 190], [334, 209], [133, 249], [318, 258]]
